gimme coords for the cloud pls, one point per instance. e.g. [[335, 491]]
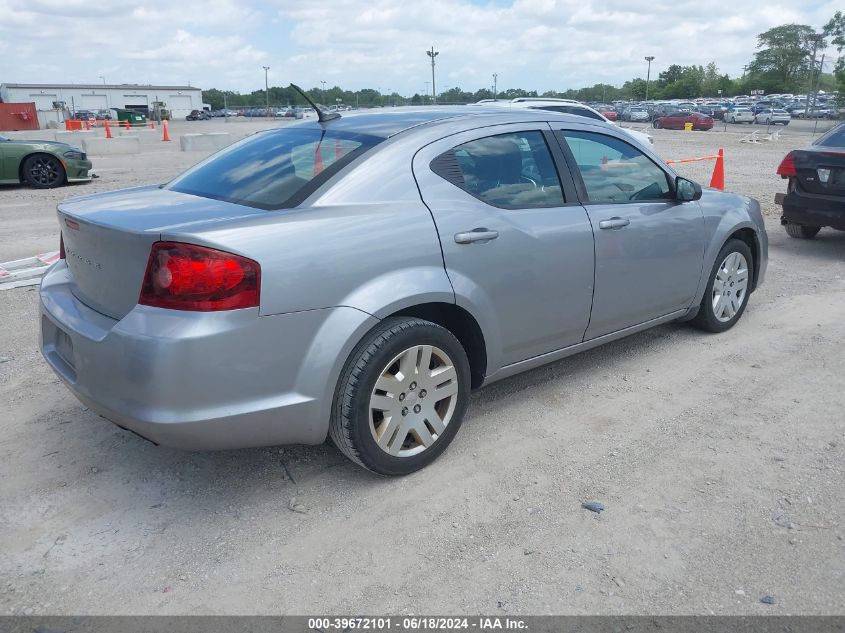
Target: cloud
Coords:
[[533, 44]]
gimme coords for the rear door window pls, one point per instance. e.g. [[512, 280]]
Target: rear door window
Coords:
[[511, 171]]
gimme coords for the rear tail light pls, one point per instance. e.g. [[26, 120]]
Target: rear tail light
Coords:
[[61, 246], [787, 166], [190, 277]]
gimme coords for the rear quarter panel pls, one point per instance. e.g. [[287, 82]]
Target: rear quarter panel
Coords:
[[365, 241]]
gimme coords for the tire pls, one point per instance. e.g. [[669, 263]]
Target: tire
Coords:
[[801, 231], [725, 313], [356, 423], [656, 124], [43, 171]]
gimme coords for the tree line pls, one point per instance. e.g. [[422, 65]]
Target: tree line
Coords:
[[790, 58]]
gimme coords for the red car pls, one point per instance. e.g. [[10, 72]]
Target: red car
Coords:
[[610, 115], [677, 120]]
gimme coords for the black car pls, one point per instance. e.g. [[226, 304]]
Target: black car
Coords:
[[198, 115], [815, 194]]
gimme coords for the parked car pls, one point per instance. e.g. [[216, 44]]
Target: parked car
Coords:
[[240, 307], [678, 121], [770, 116], [635, 114], [815, 192], [42, 164], [198, 115], [565, 106], [739, 115], [84, 115], [609, 113]]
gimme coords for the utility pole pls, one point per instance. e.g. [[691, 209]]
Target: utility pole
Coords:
[[495, 79], [649, 59], [433, 53], [816, 93], [816, 39], [266, 90], [324, 91]]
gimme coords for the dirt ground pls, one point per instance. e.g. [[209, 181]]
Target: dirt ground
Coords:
[[719, 459]]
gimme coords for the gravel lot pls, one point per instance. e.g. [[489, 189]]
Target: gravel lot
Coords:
[[719, 459]]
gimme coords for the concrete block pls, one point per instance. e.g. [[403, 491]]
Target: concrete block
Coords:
[[108, 146], [74, 137], [211, 141], [145, 135]]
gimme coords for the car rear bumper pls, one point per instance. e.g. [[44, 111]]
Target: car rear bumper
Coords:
[[199, 381], [812, 210]]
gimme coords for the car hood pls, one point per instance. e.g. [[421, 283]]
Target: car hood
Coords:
[[57, 145]]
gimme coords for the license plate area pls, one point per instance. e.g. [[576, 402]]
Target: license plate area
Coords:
[[64, 347], [58, 349]]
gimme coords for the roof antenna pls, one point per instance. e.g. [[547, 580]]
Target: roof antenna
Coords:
[[322, 117]]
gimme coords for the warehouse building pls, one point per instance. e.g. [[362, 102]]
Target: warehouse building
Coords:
[[180, 100]]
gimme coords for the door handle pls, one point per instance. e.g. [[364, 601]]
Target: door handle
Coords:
[[614, 223], [476, 235]]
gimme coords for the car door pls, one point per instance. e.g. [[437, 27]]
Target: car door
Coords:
[[517, 244], [649, 247]]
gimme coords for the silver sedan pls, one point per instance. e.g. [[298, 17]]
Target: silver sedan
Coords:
[[358, 276]]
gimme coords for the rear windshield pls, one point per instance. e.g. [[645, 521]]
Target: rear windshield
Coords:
[[276, 169], [834, 138]]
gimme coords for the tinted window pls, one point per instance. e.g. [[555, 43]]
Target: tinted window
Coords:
[[513, 171], [272, 170], [614, 171], [834, 138]]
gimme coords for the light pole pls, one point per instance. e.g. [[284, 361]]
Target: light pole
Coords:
[[433, 53], [649, 59], [324, 91], [495, 79], [266, 90], [104, 79]]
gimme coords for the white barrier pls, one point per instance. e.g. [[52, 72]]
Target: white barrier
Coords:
[[211, 141], [74, 137], [26, 272], [109, 146], [145, 135]]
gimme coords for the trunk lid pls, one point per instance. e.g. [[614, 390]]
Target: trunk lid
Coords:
[[821, 171], [107, 239]]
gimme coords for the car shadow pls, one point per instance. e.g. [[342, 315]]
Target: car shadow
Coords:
[[828, 245], [221, 476]]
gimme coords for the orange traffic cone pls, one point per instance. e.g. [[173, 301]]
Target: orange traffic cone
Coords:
[[166, 136], [718, 179], [108, 129]]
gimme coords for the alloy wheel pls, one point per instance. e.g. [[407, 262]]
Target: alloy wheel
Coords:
[[730, 287], [413, 400], [44, 171]]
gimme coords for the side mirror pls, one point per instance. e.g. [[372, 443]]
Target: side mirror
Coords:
[[687, 190]]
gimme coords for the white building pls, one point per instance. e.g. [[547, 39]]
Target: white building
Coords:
[[180, 100]]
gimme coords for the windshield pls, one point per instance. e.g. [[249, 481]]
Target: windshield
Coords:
[[276, 169]]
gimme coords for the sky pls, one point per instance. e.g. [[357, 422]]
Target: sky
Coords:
[[532, 44]]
